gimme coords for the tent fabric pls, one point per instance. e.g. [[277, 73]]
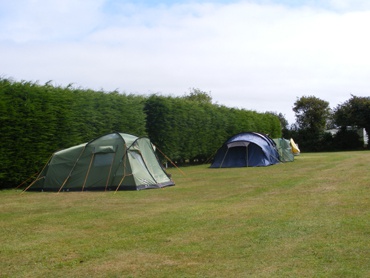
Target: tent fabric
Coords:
[[295, 148], [115, 161], [248, 149], [284, 149]]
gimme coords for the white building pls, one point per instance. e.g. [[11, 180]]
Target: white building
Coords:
[[360, 131]]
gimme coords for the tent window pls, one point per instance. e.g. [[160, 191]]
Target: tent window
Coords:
[[237, 144], [103, 159], [104, 149], [138, 157]]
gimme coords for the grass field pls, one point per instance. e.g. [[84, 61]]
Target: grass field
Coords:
[[308, 218]]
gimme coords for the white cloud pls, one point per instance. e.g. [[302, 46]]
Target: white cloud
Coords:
[[252, 56], [40, 20], [349, 5]]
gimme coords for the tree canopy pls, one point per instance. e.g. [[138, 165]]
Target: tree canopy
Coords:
[[311, 113], [199, 96], [354, 112]]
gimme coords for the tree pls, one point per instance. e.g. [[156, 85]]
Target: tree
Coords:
[[283, 123], [354, 112], [311, 113], [198, 96]]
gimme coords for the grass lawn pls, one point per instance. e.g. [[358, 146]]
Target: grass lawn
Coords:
[[307, 218]]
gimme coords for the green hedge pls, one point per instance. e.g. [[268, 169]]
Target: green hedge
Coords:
[[37, 120], [191, 131]]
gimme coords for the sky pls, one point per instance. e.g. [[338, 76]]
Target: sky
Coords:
[[259, 55]]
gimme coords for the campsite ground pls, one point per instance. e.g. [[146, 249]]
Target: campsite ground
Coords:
[[308, 218]]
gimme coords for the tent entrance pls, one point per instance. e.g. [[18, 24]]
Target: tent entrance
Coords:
[[236, 154], [241, 148]]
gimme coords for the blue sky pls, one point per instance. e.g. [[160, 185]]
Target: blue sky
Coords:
[[259, 55]]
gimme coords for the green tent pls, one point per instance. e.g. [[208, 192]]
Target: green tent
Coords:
[[115, 161], [284, 149]]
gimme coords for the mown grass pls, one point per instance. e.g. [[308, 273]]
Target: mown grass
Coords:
[[309, 218]]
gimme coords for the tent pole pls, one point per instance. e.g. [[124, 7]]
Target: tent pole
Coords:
[[70, 172], [38, 177], [170, 161], [88, 171], [110, 170], [65, 181], [224, 157], [124, 171], [247, 156], [26, 180], [208, 160], [31, 184]]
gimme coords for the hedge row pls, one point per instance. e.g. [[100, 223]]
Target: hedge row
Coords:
[[36, 120], [192, 131]]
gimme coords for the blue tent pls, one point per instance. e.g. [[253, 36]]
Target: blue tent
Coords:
[[248, 149]]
